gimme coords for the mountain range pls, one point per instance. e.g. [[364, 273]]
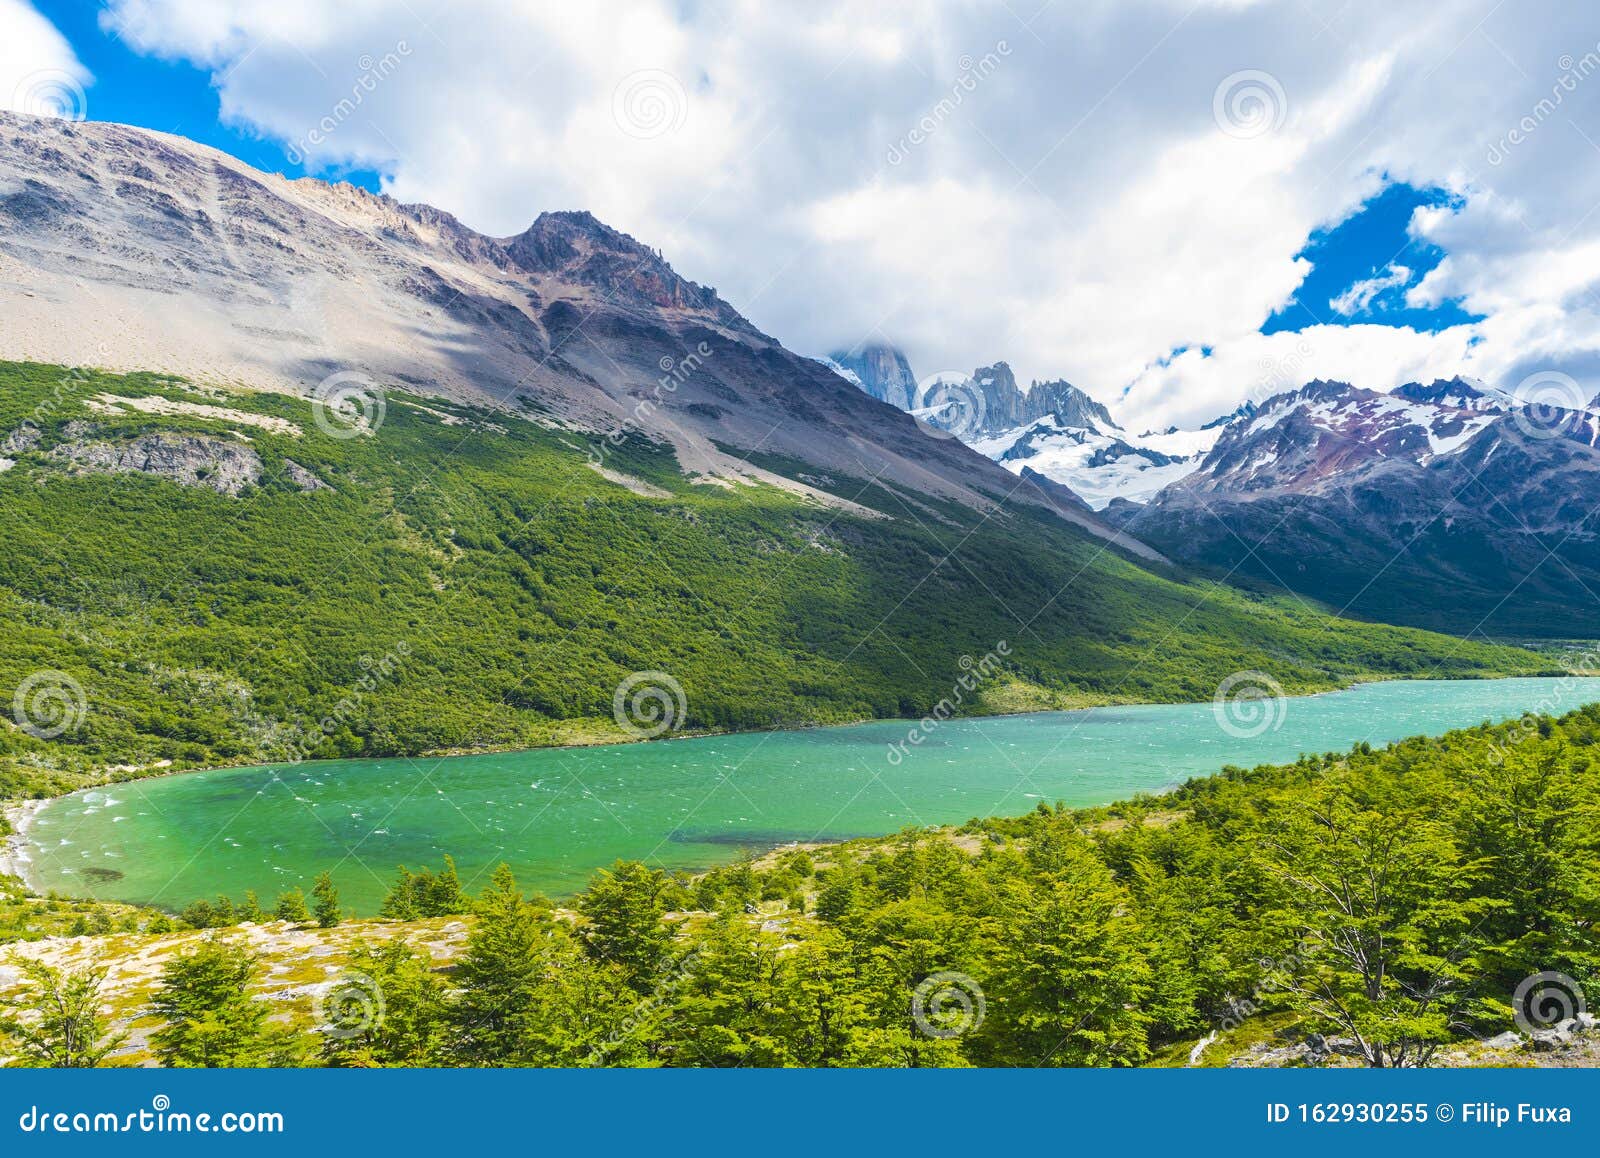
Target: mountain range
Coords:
[[1450, 505], [1052, 430]]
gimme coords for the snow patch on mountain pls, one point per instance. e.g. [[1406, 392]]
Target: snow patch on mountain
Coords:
[[1100, 462]]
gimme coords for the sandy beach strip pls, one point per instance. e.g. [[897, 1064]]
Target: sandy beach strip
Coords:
[[14, 858]]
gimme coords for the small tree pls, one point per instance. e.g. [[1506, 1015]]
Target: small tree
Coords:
[[250, 910], [624, 905], [211, 1019], [498, 977], [400, 904], [422, 894], [292, 907], [327, 898], [61, 1026], [444, 896]]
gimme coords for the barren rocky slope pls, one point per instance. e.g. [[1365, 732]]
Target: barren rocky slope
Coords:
[[126, 249]]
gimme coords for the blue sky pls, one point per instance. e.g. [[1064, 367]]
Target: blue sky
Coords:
[[1373, 252], [1168, 204], [170, 95]]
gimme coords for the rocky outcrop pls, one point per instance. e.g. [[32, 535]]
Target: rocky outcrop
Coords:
[[578, 247], [191, 460], [302, 478]]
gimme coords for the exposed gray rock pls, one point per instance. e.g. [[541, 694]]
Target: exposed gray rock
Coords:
[[24, 437], [1510, 1039], [187, 459], [303, 478], [1006, 407]]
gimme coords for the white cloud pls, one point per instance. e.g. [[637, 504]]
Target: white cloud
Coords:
[[38, 71], [1074, 208], [1361, 294]]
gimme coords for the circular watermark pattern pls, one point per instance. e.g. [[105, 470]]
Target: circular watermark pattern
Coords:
[[348, 404], [49, 704], [949, 404], [352, 1005], [1249, 103], [649, 103], [1249, 703], [50, 93], [947, 1005], [1550, 404], [1545, 1000], [160, 1103], [648, 704]]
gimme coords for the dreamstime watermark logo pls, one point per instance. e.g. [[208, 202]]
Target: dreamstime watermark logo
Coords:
[[1249, 103], [350, 1006], [50, 93], [1545, 1000], [160, 1118], [948, 1005], [649, 103], [648, 704], [949, 404], [348, 404], [973, 73], [674, 373], [1573, 73], [371, 74], [48, 704], [1248, 704], [1551, 404], [973, 673]]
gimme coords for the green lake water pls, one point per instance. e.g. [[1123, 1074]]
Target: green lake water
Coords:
[[556, 814]]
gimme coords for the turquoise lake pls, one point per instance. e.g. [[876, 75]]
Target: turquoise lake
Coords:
[[556, 814]]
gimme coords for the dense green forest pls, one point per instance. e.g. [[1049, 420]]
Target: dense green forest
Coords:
[[501, 590], [1398, 900]]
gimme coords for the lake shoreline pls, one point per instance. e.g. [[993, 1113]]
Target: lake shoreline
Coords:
[[1551, 698], [159, 770], [14, 858]]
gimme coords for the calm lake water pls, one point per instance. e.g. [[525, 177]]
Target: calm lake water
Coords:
[[557, 814]]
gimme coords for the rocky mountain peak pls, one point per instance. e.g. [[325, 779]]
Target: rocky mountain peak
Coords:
[[1457, 393], [575, 246], [881, 370], [1245, 409]]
